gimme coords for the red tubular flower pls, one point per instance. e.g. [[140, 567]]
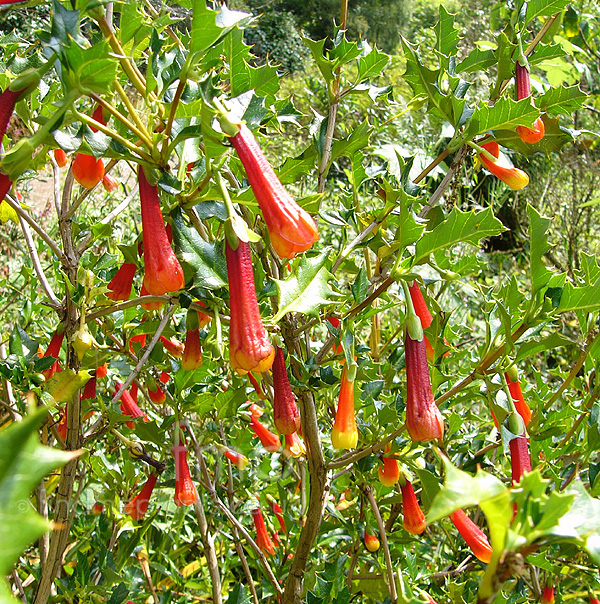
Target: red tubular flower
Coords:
[[129, 406], [594, 600], [8, 100], [420, 305], [173, 347], [89, 391], [256, 386], [414, 519], [98, 115], [97, 508], [512, 379], [423, 418], [185, 492], [5, 185], [389, 473], [268, 439], [140, 339], [520, 460], [548, 595], [276, 509], [345, 433], [87, 170], [285, 411], [120, 285], [148, 305], [237, 459], [527, 135], [203, 318], [109, 183], [262, 536], [61, 427], [60, 157], [156, 394], [163, 273], [138, 506], [249, 346], [502, 168], [473, 535], [53, 350], [371, 541], [291, 229], [192, 352], [294, 447]]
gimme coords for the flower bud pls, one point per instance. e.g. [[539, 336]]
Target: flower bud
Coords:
[[344, 434]]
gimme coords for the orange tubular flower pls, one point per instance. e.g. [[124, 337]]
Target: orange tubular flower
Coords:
[[276, 509], [594, 600], [129, 406], [148, 305], [285, 411], [512, 379], [163, 273], [344, 434], [423, 418], [249, 346], [371, 541], [192, 351], [109, 183], [523, 82], [120, 285], [473, 535], [294, 447], [502, 168], [268, 439], [61, 427], [423, 313], [53, 351], [548, 595], [185, 492], [60, 157], [138, 506], [291, 229], [414, 519], [262, 536], [172, 347], [237, 459], [87, 170], [89, 391], [157, 394], [389, 473]]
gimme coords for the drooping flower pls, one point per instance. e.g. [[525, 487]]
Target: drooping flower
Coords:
[[109, 183], [249, 346], [61, 158], [292, 230], [344, 434], [423, 313], [8, 100], [548, 595], [139, 339], [61, 427], [129, 406], [172, 346], [5, 185], [97, 508], [520, 459], [89, 391], [512, 379], [285, 411], [276, 509], [185, 491], [294, 447], [389, 473], [423, 418], [87, 170], [269, 440], [120, 285], [192, 353], [473, 535], [237, 459], [414, 519], [148, 305], [53, 351], [155, 392], [263, 540], [502, 168], [163, 273], [523, 83], [371, 540], [138, 506]]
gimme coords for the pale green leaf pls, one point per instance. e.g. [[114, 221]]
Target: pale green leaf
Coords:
[[561, 99], [446, 34], [538, 229], [544, 8]]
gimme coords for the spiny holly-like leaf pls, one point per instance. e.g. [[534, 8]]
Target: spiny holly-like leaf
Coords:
[[371, 64], [561, 100], [205, 260], [23, 463], [478, 58], [306, 289], [462, 490], [586, 298], [469, 227], [555, 137], [538, 229], [544, 8], [94, 67], [63, 385], [317, 50], [505, 114], [446, 36], [358, 139], [545, 52]]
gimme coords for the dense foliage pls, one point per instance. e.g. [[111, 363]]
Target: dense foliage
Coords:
[[367, 375]]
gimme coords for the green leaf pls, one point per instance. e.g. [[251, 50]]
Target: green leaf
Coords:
[[64, 384], [535, 347], [94, 67], [544, 8], [23, 463], [477, 59], [538, 238], [555, 137], [239, 595], [371, 64], [461, 490], [131, 23], [446, 35], [358, 139], [306, 289], [205, 260], [586, 298], [545, 52], [317, 50], [561, 99], [468, 227], [506, 114]]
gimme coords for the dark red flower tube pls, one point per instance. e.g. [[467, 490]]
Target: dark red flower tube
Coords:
[[523, 84], [285, 411], [473, 535], [163, 273], [5, 185], [423, 418], [138, 506], [414, 519], [249, 346], [520, 459], [8, 100], [344, 434], [120, 285], [185, 492], [263, 540], [89, 391], [292, 230]]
